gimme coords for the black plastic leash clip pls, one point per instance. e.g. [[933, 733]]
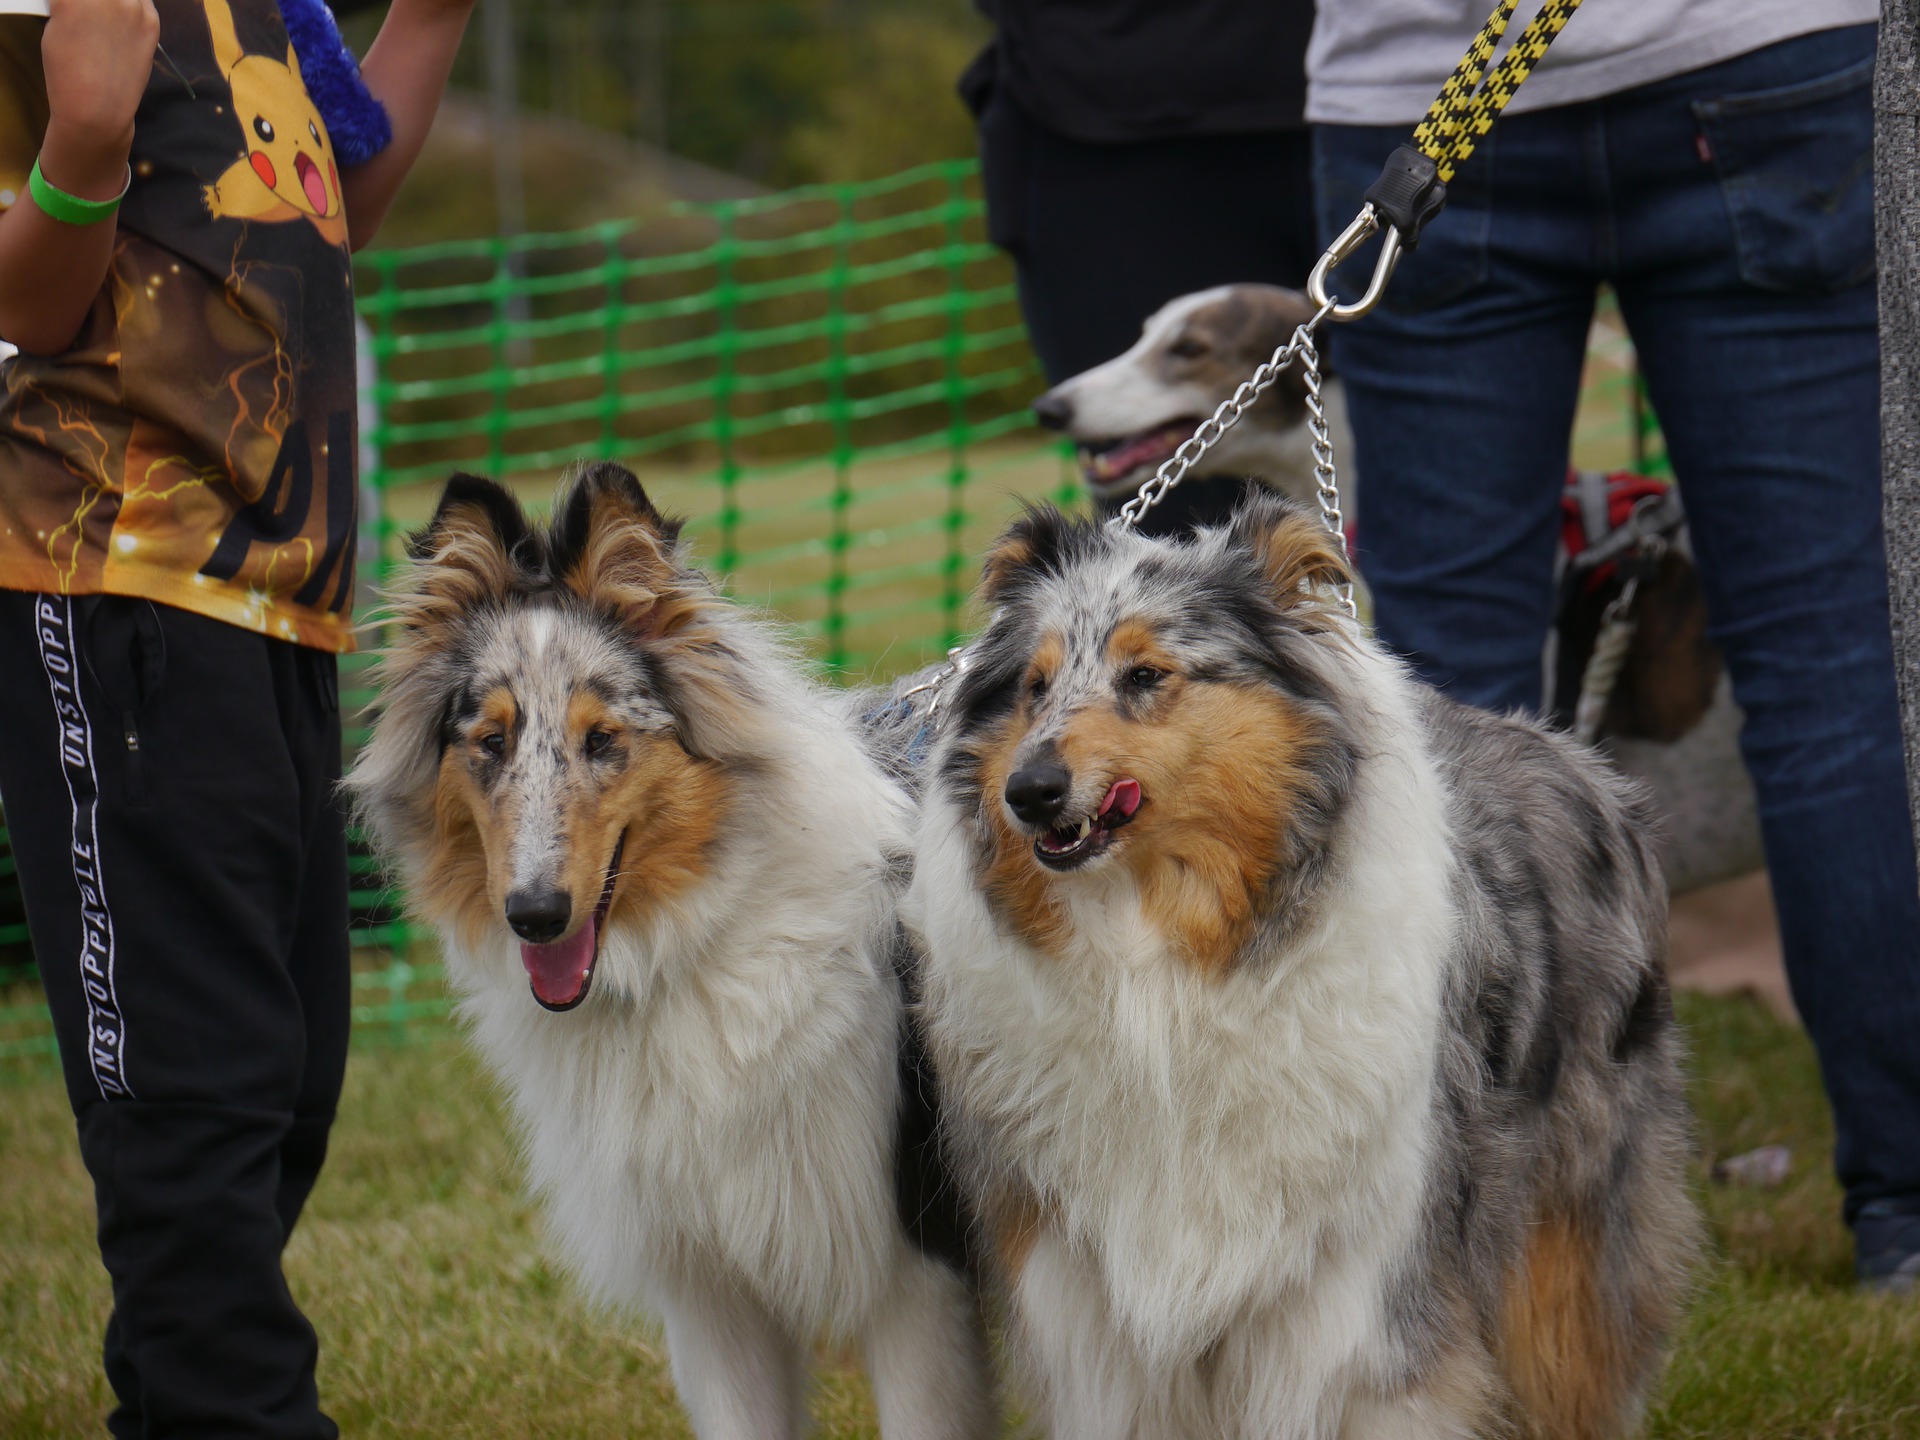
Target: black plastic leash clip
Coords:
[[1408, 194]]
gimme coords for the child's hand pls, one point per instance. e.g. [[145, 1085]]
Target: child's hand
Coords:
[[98, 55]]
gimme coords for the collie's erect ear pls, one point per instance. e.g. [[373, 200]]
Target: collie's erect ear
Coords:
[[1293, 548], [476, 552], [476, 548], [610, 546], [1030, 546]]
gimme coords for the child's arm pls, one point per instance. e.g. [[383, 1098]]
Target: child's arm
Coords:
[[406, 70], [97, 55]]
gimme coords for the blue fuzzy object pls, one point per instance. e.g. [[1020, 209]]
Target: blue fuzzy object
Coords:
[[356, 122]]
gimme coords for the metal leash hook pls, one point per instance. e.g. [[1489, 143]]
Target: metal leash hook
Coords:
[[1406, 197], [1337, 254]]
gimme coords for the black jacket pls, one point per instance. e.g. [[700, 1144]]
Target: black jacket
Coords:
[[1124, 70]]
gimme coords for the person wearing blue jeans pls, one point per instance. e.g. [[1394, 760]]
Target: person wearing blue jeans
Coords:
[[1729, 207]]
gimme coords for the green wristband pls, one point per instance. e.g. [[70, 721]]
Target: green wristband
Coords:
[[71, 208]]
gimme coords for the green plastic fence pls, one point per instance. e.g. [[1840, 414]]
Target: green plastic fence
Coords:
[[830, 383]]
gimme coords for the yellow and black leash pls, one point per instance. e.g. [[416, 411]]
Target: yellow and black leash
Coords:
[[1465, 109], [1412, 187]]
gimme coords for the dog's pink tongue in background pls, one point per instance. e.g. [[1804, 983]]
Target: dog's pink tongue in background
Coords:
[[559, 970], [1122, 795]]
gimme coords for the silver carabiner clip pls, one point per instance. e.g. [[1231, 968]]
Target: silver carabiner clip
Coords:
[[1351, 239]]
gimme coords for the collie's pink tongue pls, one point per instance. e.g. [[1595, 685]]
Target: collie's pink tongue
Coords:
[[559, 971], [1122, 795]]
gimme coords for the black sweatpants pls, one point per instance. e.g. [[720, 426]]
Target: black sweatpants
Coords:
[[1102, 235], [169, 782]]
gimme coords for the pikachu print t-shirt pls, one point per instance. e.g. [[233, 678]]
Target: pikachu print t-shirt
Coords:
[[195, 446]]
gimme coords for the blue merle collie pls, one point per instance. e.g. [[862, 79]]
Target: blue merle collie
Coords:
[[1303, 1034], [664, 871]]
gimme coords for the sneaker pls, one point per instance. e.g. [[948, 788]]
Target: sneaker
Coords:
[[1886, 1246]]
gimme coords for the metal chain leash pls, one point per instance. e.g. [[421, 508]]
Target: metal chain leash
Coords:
[[1326, 483], [1174, 468]]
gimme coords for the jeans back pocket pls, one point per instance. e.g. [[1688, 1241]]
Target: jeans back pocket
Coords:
[[1796, 171]]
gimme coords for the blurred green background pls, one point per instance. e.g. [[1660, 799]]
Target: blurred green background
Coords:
[[623, 101]]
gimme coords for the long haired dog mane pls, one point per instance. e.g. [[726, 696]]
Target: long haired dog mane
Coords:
[[1304, 1034], [665, 874]]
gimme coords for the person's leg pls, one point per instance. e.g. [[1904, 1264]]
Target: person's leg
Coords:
[[1101, 236], [1461, 390], [1747, 288], [153, 804], [319, 953]]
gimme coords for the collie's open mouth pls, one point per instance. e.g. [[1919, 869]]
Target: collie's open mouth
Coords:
[[560, 974], [1067, 847], [1113, 461]]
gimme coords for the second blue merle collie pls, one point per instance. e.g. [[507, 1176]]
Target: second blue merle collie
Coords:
[[1304, 1033]]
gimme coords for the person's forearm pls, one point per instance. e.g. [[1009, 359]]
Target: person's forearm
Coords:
[[406, 71], [50, 271]]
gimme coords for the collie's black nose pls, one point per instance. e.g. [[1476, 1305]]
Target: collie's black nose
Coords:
[[1052, 411], [538, 916], [1037, 792]]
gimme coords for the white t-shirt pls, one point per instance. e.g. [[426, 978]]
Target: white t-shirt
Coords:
[[1381, 62]]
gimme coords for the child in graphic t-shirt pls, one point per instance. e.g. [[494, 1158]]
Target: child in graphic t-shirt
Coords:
[[183, 182]]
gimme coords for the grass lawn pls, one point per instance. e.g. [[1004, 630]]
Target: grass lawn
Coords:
[[439, 1315]]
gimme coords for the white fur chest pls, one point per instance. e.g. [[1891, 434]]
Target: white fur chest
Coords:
[[1211, 1144], [733, 1126]]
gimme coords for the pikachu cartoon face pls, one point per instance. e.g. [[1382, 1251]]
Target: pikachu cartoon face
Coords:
[[288, 171]]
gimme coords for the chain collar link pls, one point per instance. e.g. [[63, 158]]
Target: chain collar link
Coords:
[[1175, 467]]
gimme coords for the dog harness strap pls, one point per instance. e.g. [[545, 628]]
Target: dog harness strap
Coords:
[[1595, 494]]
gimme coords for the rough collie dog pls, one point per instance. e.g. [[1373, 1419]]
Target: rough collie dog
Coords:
[[665, 876], [1303, 1034]]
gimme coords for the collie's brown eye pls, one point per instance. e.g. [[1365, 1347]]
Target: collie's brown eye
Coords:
[[1037, 687], [598, 740], [494, 744], [1187, 348], [1145, 677]]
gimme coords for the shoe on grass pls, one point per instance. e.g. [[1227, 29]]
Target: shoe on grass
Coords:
[[1886, 1246]]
